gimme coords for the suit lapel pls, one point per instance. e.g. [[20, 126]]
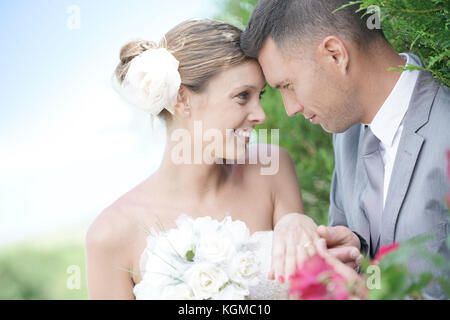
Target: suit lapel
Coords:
[[407, 154]]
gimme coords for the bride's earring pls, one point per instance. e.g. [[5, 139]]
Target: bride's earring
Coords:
[[187, 112]]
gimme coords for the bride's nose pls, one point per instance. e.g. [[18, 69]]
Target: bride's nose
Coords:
[[257, 114]]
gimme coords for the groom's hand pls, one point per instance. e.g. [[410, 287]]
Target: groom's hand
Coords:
[[343, 244], [293, 241]]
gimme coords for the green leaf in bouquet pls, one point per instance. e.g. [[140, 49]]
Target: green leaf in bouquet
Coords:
[[129, 271], [229, 282], [190, 256], [146, 229]]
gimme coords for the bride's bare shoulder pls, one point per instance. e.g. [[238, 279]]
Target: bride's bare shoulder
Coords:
[[266, 159], [115, 225]]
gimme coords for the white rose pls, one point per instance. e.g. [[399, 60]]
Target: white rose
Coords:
[[233, 292], [153, 81], [177, 292], [162, 270], [160, 262], [244, 269], [185, 222], [215, 247], [180, 241], [237, 230], [145, 290], [205, 224], [205, 280]]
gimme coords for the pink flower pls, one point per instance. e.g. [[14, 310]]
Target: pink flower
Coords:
[[384, 250], [317, 280]]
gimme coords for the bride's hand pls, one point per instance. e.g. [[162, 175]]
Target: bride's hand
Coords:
[[293, 241]]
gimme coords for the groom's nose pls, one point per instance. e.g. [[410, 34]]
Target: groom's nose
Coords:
[[293, 108], [291, 105]]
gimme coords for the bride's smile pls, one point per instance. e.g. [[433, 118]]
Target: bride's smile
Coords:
[[243, 134]]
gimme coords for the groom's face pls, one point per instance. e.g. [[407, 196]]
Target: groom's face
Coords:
[[309, 85]]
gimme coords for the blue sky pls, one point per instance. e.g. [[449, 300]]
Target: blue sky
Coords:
[[41, 56], [68, 145]]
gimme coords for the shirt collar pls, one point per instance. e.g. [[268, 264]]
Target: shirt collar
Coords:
[[388, 119]]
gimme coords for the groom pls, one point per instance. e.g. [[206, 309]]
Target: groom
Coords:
[[391, 129]]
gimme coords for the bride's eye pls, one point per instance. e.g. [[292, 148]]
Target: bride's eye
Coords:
[[243, 95]]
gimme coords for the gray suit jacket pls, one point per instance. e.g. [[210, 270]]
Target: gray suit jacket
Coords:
[[416, 200]]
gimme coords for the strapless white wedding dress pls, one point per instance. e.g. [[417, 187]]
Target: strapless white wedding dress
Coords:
[[266, 289]]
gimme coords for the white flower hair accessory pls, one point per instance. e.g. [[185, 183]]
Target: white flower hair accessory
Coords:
[[153, 81]]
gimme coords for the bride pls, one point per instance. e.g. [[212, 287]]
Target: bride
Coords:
[[199, 75]]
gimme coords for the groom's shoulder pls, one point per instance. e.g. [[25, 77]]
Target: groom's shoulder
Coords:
[[429, 112], [441, 103], [430, 97], [441, 106]]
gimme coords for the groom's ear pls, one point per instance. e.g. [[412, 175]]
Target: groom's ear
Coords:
[[334, 53]]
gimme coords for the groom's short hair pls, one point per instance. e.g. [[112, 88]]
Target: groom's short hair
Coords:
[[292, 22]]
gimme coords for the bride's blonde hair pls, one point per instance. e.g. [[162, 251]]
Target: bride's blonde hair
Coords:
[[203, 48]]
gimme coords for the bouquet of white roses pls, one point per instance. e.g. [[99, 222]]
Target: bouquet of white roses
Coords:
[[201, 259]]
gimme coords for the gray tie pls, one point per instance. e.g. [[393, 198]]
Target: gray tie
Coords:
[[372, 197]]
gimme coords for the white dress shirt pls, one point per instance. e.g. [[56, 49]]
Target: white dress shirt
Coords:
[[387, 125]]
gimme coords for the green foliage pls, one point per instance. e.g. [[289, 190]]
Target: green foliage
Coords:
[[30, 271], [418, 26], [397, 282]]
